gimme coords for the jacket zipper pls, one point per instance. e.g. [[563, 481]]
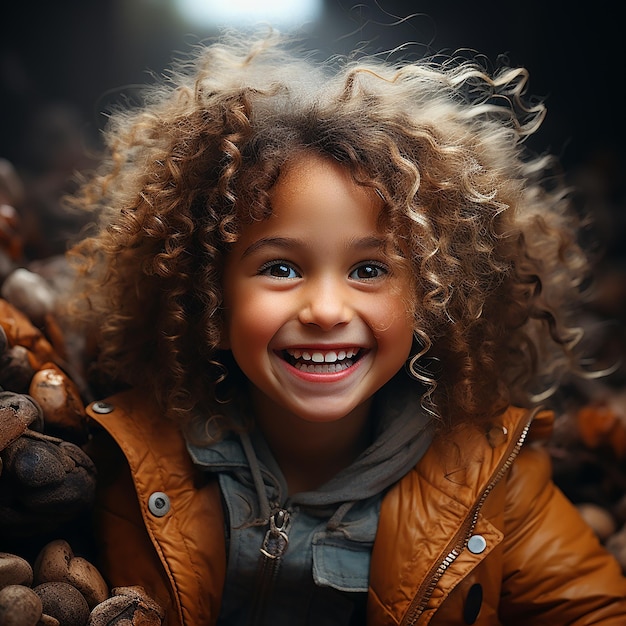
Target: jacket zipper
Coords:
[[459, 541], [273, 548]]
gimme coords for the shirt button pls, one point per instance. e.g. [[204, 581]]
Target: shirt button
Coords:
[[102, 408], [159, 504], [476, 544]]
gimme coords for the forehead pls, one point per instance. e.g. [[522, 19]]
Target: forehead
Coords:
[[313, 188]]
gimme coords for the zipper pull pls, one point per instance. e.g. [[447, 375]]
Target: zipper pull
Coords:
[[272, 550], [276, 539]]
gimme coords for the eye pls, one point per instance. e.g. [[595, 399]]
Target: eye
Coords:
[[278, 269], [369, 271]]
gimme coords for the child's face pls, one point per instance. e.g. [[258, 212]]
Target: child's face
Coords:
[[315, 317]]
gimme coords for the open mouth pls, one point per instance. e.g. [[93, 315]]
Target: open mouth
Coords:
[[322, 361]]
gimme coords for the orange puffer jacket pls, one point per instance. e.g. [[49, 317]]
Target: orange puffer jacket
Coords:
[[476, 533]]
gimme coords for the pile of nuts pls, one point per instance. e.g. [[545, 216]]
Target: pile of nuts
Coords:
[[46, 482], [62, 589]]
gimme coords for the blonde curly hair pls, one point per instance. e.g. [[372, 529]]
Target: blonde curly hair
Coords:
[[484, 226]]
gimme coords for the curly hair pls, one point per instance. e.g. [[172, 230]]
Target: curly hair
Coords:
[[485, 226]]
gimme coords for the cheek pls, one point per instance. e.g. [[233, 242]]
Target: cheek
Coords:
[[251, 321], [395, 329]]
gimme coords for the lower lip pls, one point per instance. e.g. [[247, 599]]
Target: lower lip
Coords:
[[314, 377]]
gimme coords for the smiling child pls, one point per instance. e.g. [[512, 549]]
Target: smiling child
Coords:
[[330, 302]]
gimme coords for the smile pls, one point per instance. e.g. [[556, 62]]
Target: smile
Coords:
[[322, 361]]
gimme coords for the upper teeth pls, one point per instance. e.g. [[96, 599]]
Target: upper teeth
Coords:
[[323, 357]]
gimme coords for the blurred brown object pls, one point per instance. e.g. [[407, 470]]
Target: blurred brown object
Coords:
[[14, 570], [59, 398], [21, 331], [19, 606], [45, 483], [600, 424], [63, 602], [57, 563], [128, 606]]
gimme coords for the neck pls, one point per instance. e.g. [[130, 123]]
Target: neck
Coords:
[[308, 453]]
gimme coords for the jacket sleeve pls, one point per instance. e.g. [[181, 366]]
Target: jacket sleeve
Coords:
[[555, 570]]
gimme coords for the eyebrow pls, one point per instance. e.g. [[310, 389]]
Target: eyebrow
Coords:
[[287, 243], [272, 242]]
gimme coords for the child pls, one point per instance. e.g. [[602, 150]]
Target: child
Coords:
[[330, 304]]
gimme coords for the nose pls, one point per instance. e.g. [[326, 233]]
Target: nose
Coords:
[[326, 304]]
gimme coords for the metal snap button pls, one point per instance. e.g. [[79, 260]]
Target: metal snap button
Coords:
[[159, 504], [102, 408], [476, 544]]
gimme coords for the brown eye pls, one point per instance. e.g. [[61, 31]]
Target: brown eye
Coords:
[[368, 271], [279, 269]]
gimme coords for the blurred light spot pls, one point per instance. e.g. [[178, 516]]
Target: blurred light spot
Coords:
[[248, 12]]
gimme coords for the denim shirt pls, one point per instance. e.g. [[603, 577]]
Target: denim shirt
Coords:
[[321, 576]]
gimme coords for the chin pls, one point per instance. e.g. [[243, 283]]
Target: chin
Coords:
[[322, 415]]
